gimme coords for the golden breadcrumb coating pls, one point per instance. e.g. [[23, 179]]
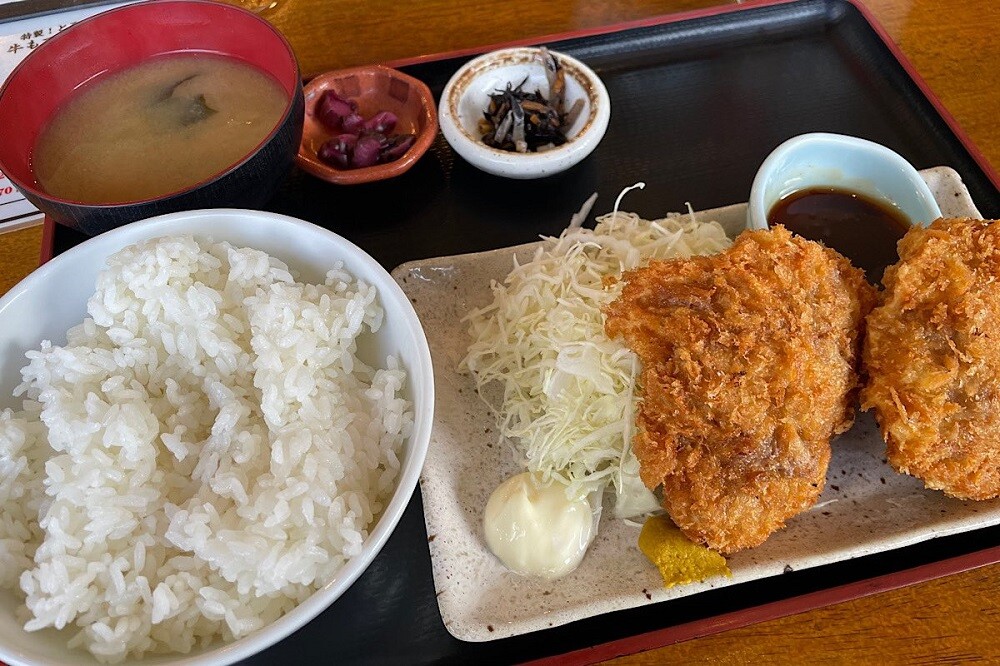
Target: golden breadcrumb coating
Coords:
[[748, 369], [933, 358]]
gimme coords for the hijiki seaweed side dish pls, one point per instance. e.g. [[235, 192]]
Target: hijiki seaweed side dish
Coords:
[[523, 122]]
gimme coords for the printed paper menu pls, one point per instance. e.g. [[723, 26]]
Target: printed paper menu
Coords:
[[14, 208], [18, 38]]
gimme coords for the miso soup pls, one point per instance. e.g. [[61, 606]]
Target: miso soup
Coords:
[[156, 128]]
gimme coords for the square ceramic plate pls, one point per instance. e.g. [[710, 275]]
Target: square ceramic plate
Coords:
[[866, 507]]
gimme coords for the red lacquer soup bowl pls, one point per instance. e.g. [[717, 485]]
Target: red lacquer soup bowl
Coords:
[[122, 38]]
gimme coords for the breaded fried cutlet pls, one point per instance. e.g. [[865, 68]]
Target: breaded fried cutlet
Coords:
[[933, 358], [748, 369]]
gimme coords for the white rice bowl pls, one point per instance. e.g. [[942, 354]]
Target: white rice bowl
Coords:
[[53, 300]]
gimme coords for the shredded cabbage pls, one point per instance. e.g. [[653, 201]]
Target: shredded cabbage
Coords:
[[567, 390]]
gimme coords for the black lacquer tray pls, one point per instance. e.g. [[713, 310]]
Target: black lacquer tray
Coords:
[[698, 101]]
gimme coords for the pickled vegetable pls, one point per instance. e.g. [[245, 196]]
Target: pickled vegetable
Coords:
[[358, 142]]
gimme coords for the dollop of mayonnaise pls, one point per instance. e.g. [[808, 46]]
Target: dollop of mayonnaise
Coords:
[[535, 529]]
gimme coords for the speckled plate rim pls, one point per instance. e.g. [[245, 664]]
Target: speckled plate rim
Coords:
[[466, 575]]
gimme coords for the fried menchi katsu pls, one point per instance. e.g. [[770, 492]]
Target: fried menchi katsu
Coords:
[[748, 369], [933, 358]]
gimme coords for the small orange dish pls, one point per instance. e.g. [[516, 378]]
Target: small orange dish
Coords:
[[374, 88]]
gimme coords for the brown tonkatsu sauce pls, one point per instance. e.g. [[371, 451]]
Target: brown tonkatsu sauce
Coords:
[[862, 229]]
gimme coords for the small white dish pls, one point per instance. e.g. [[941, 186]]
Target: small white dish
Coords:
[[467, 94], [820, 160]]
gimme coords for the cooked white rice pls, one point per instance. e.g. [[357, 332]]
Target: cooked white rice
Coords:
[[205, 452]]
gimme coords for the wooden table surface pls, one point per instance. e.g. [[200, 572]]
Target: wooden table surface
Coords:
[[952, 45]]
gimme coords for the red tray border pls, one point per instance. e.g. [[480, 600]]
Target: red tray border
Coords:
[[777, 609], [772, 611]]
